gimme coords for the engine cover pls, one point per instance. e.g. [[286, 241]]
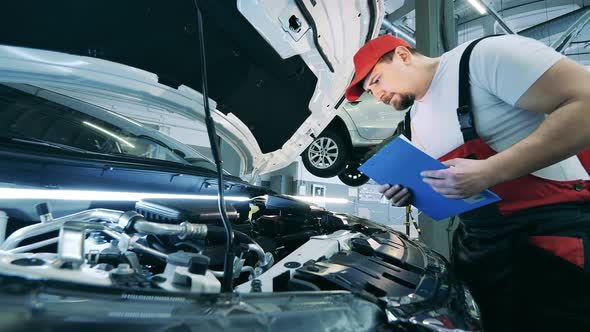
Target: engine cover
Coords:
[[382, 265]]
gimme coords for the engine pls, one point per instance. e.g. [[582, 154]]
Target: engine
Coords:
[[280, 244]]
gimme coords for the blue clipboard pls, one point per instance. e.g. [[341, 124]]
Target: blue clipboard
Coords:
[[400, 162]]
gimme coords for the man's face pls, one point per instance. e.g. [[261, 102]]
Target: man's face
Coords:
[[389, 82]]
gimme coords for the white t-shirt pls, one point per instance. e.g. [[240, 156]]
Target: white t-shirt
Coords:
[[502, 69]]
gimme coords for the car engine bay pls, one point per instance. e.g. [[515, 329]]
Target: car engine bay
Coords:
[[177, 245], [281, 245]]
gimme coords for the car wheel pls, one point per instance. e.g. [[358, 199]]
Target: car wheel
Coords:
[[327, 155], [351, 176]]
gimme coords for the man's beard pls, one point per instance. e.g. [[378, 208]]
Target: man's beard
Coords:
[[403, 102]]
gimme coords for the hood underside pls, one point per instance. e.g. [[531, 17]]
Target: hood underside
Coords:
[[283, 86], [246, 76]]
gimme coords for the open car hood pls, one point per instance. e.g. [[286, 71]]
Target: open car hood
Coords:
[[277, 69]]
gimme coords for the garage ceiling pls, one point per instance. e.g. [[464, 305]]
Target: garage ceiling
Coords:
[[544, 20]]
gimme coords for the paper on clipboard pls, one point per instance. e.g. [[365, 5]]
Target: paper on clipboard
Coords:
[[400, 162]]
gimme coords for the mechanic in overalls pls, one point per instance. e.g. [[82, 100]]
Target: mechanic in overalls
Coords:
[[509, 114]]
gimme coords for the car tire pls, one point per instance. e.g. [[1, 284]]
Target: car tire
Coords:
[[351, 176], [327, 155]]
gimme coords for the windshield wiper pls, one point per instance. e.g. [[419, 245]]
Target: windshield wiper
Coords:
[[176, 152], [189, 161], [41, 142], [64, 147]]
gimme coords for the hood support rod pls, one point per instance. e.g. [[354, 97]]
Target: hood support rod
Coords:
[[228, 262]]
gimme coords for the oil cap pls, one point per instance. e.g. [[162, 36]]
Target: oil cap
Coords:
[[198, 264]]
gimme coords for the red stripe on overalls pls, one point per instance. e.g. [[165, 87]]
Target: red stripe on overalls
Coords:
[[528, 191], [531, 191]]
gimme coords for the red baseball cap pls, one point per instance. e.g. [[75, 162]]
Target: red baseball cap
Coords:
[[366, 58]]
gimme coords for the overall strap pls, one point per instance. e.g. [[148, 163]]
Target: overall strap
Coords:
[[464, 111], [407, 129]]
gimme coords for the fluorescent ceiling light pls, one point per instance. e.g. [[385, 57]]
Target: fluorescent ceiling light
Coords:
[[315, 199], [91, 195], [478, 6], [108, 133]]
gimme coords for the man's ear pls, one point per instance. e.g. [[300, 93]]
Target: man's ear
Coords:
[[403, 53]]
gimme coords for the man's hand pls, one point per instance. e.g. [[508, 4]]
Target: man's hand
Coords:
[[398, 195], [464, 178]]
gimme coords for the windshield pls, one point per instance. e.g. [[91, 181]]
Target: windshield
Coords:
[[28, 112]]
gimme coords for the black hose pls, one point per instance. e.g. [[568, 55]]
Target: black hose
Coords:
[[217, 233], [229, 256]]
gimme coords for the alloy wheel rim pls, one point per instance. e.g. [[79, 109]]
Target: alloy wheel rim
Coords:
[[323, 152]]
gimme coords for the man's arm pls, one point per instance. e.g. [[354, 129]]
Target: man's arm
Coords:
[[563, 92]]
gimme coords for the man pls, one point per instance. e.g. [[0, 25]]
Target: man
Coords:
[[524, 258]]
